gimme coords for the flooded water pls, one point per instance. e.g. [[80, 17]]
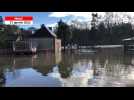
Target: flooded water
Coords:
[[106, 68]]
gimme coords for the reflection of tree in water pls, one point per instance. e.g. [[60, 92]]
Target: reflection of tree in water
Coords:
[[65, 66], [45, 62], [64, 70], [2, 77]]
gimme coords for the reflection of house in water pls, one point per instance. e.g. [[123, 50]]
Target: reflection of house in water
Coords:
[[79, 75], [32, 78], [42, 62], [45, 62], [20, 63], [46, 59]]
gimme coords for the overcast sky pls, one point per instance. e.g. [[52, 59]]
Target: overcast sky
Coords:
[[51, 18]]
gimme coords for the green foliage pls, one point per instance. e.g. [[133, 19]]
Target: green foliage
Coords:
[[63, 32], [102, 35], [6, 34]]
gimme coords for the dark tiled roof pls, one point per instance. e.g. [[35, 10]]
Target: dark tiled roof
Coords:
[[43, 32]]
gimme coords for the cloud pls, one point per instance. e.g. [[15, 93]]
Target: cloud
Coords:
[[85, 16], [51, 25], [68, 17], [65, 14], [80, 14]]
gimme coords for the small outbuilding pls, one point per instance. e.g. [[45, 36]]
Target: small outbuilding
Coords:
[[128, 44], [42, 39]]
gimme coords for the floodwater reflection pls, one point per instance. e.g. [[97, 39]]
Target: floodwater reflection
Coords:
[[105, 68]]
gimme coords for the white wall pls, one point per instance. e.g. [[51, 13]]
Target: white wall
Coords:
[[43, 43]]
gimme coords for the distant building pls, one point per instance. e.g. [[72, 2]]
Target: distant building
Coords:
[[42, 40], [129, 44]]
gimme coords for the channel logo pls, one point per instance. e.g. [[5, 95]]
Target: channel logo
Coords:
[[18, 20]]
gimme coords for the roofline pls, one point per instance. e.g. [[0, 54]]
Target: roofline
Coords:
[[132, 38], [53, 34]]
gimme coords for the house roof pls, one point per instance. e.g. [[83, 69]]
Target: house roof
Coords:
[[43, 32], [11, 37], [128, 39]]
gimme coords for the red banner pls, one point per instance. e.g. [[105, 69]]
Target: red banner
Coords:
[[18, 18]]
